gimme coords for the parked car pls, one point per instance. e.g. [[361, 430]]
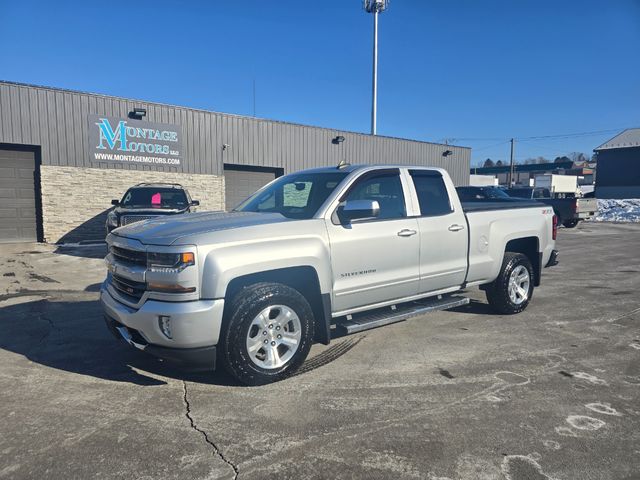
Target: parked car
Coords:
[[568, 210], [149, 200], [353, 247]]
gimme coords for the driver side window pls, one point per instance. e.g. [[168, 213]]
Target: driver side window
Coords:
[[384, 188]]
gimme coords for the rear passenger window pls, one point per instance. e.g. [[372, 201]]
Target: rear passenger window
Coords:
[[432, 193]]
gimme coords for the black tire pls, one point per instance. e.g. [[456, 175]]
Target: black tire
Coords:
[[245, 306], [570, 223], [498, 291]]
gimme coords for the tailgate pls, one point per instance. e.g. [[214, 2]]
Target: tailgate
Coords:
[[587, 205]]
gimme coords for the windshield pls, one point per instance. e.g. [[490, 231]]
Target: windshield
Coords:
[[294, 196], [468, 194], [495, 193], [520, 192], [155, 197]]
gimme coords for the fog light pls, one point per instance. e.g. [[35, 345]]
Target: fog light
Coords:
[[165, 325]]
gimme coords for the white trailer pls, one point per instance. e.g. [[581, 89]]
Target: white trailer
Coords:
[[482, 180], [557, 184]]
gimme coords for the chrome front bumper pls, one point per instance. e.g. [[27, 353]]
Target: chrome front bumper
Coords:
[[203, 358], [194, 324]]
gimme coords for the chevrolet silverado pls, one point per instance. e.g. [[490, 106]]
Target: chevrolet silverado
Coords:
[[348, 248]]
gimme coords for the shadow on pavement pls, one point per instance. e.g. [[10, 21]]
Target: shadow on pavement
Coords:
[[475, 307], [72, 336], [97, 250], [94, 287]]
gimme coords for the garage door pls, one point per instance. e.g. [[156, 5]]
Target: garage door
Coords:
[[240, 184], [17, 197]]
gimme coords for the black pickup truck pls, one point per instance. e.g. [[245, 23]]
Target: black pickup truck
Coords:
[[570, 210], [149, 200]]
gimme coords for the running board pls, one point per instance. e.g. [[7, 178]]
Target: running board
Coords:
[[385, 316]]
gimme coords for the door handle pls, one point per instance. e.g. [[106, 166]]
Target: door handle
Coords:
[[406, 232], [456, 228]]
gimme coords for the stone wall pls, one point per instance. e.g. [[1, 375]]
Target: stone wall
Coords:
[[75, 201]]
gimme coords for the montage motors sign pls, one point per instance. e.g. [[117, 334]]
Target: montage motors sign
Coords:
[[124, 140]]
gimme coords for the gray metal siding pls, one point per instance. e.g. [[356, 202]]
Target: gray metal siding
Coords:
[[618, 167], [57, 121]]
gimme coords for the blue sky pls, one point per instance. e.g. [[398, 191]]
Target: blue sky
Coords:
[[474, 72]]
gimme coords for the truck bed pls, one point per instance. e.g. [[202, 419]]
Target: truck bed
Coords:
[[483, 206]]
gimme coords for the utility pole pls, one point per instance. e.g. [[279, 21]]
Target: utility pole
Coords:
[[511, 166], [375, 7], [254, 97]]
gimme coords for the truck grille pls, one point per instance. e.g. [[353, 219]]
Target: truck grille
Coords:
[[129, 219], [131, 289], [126, 255]]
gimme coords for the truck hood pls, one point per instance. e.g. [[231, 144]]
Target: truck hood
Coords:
[[166, 230]]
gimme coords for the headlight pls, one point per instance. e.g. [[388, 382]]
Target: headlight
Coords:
[[112, 219], [170, 262]]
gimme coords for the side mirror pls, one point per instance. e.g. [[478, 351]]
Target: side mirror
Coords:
[[195, 203], [115, 202], [359, 209]]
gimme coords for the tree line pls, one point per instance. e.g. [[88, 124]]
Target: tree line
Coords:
[[576, 157]]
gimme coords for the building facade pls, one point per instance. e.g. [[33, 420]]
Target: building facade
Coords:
[[64, 155], [619, 166], [523, 175]]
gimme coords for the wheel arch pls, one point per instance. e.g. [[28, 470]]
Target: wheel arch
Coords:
[[302, 278], [529, 247]]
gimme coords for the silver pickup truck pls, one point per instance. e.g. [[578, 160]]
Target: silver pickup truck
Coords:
[[348, 248]]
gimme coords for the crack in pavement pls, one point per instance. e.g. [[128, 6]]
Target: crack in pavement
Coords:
[[38, 308], [216, 450]]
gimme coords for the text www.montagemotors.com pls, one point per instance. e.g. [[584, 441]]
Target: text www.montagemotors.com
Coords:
[[135, 158]]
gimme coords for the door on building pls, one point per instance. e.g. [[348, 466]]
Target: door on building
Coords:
[[17, 197], [240, 182]]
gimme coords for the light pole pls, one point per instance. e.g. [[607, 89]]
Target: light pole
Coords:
[[375, 7]]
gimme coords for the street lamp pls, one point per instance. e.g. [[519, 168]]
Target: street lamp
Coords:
[[375, 7]]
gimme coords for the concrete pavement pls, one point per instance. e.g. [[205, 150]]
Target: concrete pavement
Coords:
[[551, 393]]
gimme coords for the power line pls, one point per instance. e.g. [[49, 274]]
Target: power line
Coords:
[[491, 146], [573, 135], [540, 137]]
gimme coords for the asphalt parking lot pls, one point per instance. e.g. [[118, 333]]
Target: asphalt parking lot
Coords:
[[551, 393]]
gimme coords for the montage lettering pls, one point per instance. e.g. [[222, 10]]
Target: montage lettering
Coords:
[[126, 138]]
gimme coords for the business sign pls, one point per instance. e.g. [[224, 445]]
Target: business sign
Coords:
[[124, 140]]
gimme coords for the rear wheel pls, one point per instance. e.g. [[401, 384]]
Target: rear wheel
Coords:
[[511, 292], [570, 223], [268, 333]]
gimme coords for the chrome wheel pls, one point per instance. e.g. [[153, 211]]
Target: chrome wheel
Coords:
[[274, 336], [519, 281]]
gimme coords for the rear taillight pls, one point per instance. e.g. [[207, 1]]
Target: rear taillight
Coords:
[[554, 232]]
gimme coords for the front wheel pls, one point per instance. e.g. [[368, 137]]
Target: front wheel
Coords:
[[511, 292], [570, 223], [268, 333]]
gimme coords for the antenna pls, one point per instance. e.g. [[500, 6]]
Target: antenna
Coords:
[[375, 7], [343, 163]]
